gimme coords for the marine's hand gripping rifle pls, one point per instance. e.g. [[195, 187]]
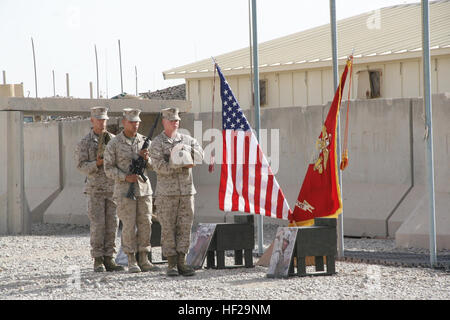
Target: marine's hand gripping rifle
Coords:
[[138, 165]]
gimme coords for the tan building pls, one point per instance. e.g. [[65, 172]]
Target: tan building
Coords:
[[296, 70], [11, 90]]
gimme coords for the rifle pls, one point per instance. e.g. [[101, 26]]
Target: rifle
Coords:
[[102, 142], [138, 165]]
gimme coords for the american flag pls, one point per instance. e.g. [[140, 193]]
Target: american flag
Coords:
[[247, 183]]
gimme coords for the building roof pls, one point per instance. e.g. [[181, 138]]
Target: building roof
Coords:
[[387, 34]]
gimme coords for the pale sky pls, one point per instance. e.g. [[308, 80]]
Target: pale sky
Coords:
[[155, 36]]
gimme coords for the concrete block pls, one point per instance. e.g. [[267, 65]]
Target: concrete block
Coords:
[[69, 207], [17, 211], [414, 231], [41, 165], [39, 199], [3, 172], [387, 156], [367, 207], [412, 200]]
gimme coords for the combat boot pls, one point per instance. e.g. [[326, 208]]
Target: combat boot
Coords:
[[98, 264], [132, 264], [183, 268], [145, 264], [111, 265], [172, 263]]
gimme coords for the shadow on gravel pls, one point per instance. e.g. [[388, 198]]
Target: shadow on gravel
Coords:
[[58, 229]]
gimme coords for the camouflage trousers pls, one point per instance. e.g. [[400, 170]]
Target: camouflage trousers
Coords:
[[103, 224], [136, 217], [176, 214]]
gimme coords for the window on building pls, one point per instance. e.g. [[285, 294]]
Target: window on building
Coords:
[[263, 92], [375, 80], [369, 84]]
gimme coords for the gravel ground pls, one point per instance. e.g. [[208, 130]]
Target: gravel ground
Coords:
[[54, 263]]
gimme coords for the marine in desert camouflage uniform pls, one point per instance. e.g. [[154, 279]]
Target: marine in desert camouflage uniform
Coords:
[[99, 189], [173, 156], [135, 214]]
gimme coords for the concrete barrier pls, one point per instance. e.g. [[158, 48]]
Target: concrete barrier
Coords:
[[379, 173], [41, 165], [15, 216], [386, 176], [3, 168], [414, 212], [384, 187], [70, 206]]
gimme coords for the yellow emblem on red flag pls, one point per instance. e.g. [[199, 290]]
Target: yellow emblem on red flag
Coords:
[[320, 194]]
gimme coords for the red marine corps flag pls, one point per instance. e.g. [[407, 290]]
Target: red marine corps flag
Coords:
[[320, 194]]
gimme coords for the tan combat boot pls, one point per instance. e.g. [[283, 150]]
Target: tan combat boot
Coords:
[[98, 264], [145, 264], [172, 263], [183, 268], [111, 265], [132, 264]]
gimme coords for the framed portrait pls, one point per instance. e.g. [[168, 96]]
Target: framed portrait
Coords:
[[282, 253]]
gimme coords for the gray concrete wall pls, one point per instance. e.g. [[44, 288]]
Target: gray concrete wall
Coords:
[[412, 216], [41, 165], [70, 206], [379, 157], [384, 186], [3, 168], [385, 182], [15, 216]]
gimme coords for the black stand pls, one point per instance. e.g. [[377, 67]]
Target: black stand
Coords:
[[319, 240], [238, 236]]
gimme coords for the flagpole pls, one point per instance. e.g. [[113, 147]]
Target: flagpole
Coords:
[[340, 224], [257, 104], [251, 50], [429, 126]]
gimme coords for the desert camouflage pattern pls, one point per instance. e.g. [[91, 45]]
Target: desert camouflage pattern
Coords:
[[134, 214], [103, 224], [136, 223], [117, 160], [171, 179], [176, 214], [99, 190], [86, 160]]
